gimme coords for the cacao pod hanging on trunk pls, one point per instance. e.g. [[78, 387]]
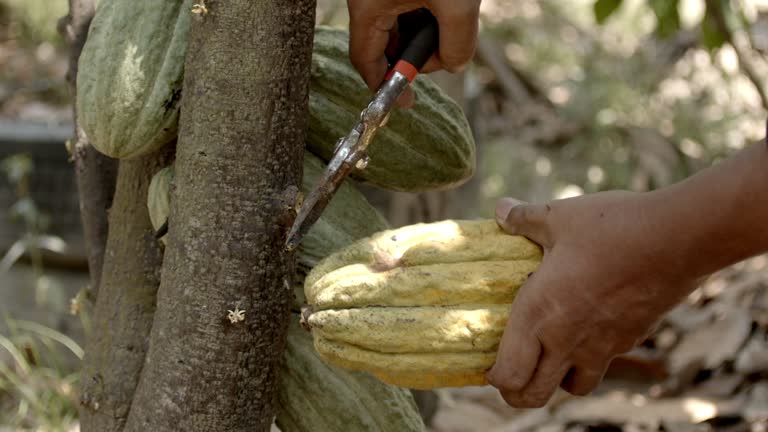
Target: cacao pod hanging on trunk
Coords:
[[422, 306], [130, 80]]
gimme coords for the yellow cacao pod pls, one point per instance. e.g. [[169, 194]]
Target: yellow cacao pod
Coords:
[[422, 306], [315, 396]]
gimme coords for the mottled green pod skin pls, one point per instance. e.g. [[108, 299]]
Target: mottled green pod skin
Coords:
[[130, 82], [427, 147], [159, 197], [315, 396], [348, 217], [130, 75]]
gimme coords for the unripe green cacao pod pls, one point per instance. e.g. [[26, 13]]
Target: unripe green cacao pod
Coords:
[[315, 396], [422, 306], [130, 75], [159, 197], [130, 80], [348, 217]]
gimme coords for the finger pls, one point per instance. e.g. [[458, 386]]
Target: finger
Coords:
[[580, 381], [516, 357], [458, 21], [548, 376], [529, 220], [368, 38], [432, 65]]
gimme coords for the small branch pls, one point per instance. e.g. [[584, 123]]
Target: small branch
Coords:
[[74, 29], [745, 64], [96, 174], [516, 85]]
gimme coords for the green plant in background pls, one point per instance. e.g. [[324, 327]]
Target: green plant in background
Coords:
[[33, 240], [34, 21], [37, 390], [37, 385], [649, 95]]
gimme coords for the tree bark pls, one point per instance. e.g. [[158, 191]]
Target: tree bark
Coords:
[[96, 176], [95, 173], [122, 320], [237, 180]]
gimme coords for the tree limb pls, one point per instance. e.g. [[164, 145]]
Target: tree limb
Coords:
[[237, 179], [96, 174], [745, 64], [123, 314]]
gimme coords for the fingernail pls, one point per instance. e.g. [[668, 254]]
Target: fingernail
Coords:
[[456, 69], [503, 207]]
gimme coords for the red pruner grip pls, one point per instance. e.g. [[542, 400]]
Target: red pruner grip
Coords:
[[416, 40]]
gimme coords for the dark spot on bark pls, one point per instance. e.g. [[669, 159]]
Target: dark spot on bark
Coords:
[[530, 274], [172, 101], [202, 154], [602, 214], [549, 208]]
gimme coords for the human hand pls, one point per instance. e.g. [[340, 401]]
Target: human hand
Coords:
[[373, 22], [607, 277]]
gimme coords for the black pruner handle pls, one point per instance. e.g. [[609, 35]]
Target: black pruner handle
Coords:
[[417, 39]]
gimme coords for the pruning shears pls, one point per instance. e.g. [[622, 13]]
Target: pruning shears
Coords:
[[418, 40]]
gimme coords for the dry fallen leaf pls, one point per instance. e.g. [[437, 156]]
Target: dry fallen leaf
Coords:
[[465, 416], [754, 357], [714, 343], [622, 408]]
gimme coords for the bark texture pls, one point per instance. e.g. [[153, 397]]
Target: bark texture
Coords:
[[122, 320], [238, 173], [96, 176], [95, 173]]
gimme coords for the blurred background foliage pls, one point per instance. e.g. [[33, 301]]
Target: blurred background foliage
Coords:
[[584, 96], [565, 98], [32, 22]]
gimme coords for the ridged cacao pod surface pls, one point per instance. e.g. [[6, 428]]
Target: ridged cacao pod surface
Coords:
[[421, 306]]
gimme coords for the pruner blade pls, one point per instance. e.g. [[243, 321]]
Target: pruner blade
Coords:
[[351, 151], [344, 160]]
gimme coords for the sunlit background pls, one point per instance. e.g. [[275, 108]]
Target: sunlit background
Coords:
[[564, 97]]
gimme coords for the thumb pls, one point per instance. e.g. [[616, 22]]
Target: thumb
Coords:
[[520, 218]]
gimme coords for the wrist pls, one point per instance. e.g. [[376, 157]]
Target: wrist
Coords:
[[715, 218]]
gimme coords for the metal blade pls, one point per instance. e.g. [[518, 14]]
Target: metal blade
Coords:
[[315, 203], [350, 153]]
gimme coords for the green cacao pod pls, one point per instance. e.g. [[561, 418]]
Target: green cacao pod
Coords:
[[130, 80], [159, 197], [421, 306], [315, 396], [429, 146], [130, 75], [348, 217]]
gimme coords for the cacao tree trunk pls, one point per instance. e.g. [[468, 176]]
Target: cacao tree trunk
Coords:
[[116, 348], [237, 182]]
